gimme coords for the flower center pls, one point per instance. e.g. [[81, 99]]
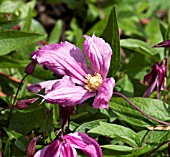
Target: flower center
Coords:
[[93, 82]]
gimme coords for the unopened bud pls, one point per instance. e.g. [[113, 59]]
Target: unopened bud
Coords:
[[165, 43], [30, 67], [30, 151], [22, 104]]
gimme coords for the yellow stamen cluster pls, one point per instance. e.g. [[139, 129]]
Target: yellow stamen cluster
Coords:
[[93, 82]]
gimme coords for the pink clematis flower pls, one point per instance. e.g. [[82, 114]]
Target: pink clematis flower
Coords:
[[79, 83], [156, 78], [66, 146]]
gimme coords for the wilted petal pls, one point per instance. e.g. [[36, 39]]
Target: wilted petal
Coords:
[[152, 87], [63, 58], [83, 142], [163, 44], [99, 53], [104, 94], [39, 86], [156, 78], [66, 93]]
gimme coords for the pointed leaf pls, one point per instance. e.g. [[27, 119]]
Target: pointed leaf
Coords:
[[56, 32], [111, 35], [138, 46]]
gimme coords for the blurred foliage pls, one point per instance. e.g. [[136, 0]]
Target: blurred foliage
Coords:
[[27, 25]]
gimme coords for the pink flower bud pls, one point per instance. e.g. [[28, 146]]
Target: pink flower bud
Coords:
[[31, 147], [30, 67], [22, 104]]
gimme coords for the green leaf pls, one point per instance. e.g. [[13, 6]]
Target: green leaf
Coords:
[[163, 28], [56, 32], [121, 148], [27, 21], [7, 149], [127, 113], [48, 123], [37, 27], [4, 25], [155, 138], [10, 6], [13, 40], [138, 46], [125, 86], [89, 125], [75, 34], [111, 35], [153, 32], [9, 62], [117, 131], [24, 121], [12, 134]]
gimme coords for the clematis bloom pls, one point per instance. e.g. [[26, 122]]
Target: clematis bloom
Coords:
[[156, 78], [66, 146], [78, 83]]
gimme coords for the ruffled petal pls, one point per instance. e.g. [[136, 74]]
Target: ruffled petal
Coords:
[[63, 58], [66, 93], [104, 94], [83, 142], [99, 53], [39, 86]]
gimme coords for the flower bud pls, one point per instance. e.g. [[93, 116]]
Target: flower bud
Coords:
[[30, 151], [22, 104], [165, 43], [30, 67]]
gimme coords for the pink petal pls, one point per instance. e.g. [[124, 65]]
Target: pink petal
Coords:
[[39, 86], [99, 53], [53, 150], [66, 93], [41, 152], [68, 151], [63, 58], [83, 142], [104, 94]]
